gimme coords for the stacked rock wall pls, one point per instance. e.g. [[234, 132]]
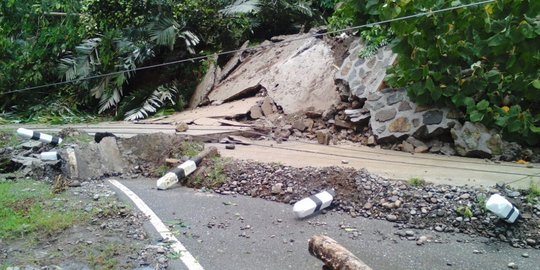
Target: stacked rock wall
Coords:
[[393, 115]]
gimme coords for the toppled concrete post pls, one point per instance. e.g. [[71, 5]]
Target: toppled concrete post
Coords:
[[184, 169], [501, 207], [49, 156], [42, 137], [313, 204], [334, 255]]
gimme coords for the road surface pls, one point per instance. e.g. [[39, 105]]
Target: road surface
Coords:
[[227, 232]]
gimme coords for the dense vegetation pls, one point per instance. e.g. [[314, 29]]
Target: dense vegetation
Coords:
[[484, 60], [44, 42]]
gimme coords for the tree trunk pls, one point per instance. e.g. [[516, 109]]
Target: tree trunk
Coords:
[[334, 255]]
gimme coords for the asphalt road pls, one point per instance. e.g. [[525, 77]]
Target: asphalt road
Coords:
[[227, 232]]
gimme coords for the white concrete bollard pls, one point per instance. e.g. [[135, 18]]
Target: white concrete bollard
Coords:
[[180, 172], [53, 155], [34, 135], [501, 207], [314, 203]]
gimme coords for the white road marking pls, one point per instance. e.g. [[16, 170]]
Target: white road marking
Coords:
[[185, 256]]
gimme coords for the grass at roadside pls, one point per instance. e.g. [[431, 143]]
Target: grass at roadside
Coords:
[[8, 138], [533, 193], [29, 207], [416, 182]]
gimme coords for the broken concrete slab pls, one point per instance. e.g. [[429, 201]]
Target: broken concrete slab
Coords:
[[205, 121], [32, 144], [232, 123], [267, 106], [255, 112], [206, 85], [226, 110], [276, 69], [233, 63], [235, 140], [90, 161]]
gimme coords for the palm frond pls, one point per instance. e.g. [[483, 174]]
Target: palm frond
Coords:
[[161, 96], [242, 7], [190, 39], [81, 64], [109, 100], [303, 8], [164, 31]]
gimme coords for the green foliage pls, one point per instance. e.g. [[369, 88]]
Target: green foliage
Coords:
[[161, 96], [27, 207], [416, 182], [484, 60], [374, 38], [104, 256], [533, 193], [191, 149], [271, 17], [57, 111], [465, 211], [481, 201], [354, 12], [104, 15], [31, 41], [8, 138], [91, 38], [216, 176]]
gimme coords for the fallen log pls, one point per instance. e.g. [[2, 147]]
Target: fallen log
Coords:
[[333, 255]]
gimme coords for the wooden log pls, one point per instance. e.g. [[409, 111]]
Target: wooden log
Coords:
[[333, 255]]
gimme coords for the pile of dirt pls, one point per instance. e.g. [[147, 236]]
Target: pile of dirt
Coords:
[[440, 208]]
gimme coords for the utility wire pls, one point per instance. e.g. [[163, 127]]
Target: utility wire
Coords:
[[427, 13]]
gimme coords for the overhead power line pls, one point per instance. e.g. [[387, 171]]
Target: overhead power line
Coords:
[[427, 13]]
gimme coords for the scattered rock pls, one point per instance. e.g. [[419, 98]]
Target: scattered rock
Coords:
[[182, 127], [371, 141], [323, 137], [407, 147], [475, 140], [277, 188], [299, 124], [513, 266], [343, 124], [267, 106], [421, 149], [391, 218], [255, 112], [230, 146], [421, 240]]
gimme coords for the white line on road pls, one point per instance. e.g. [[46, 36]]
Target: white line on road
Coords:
[[185, 256]]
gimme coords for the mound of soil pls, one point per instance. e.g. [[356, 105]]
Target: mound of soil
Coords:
[[441, 208]]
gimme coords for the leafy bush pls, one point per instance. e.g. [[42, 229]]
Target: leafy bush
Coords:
[[31, 41], [484, 60], [275, 17], [354, 12]]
